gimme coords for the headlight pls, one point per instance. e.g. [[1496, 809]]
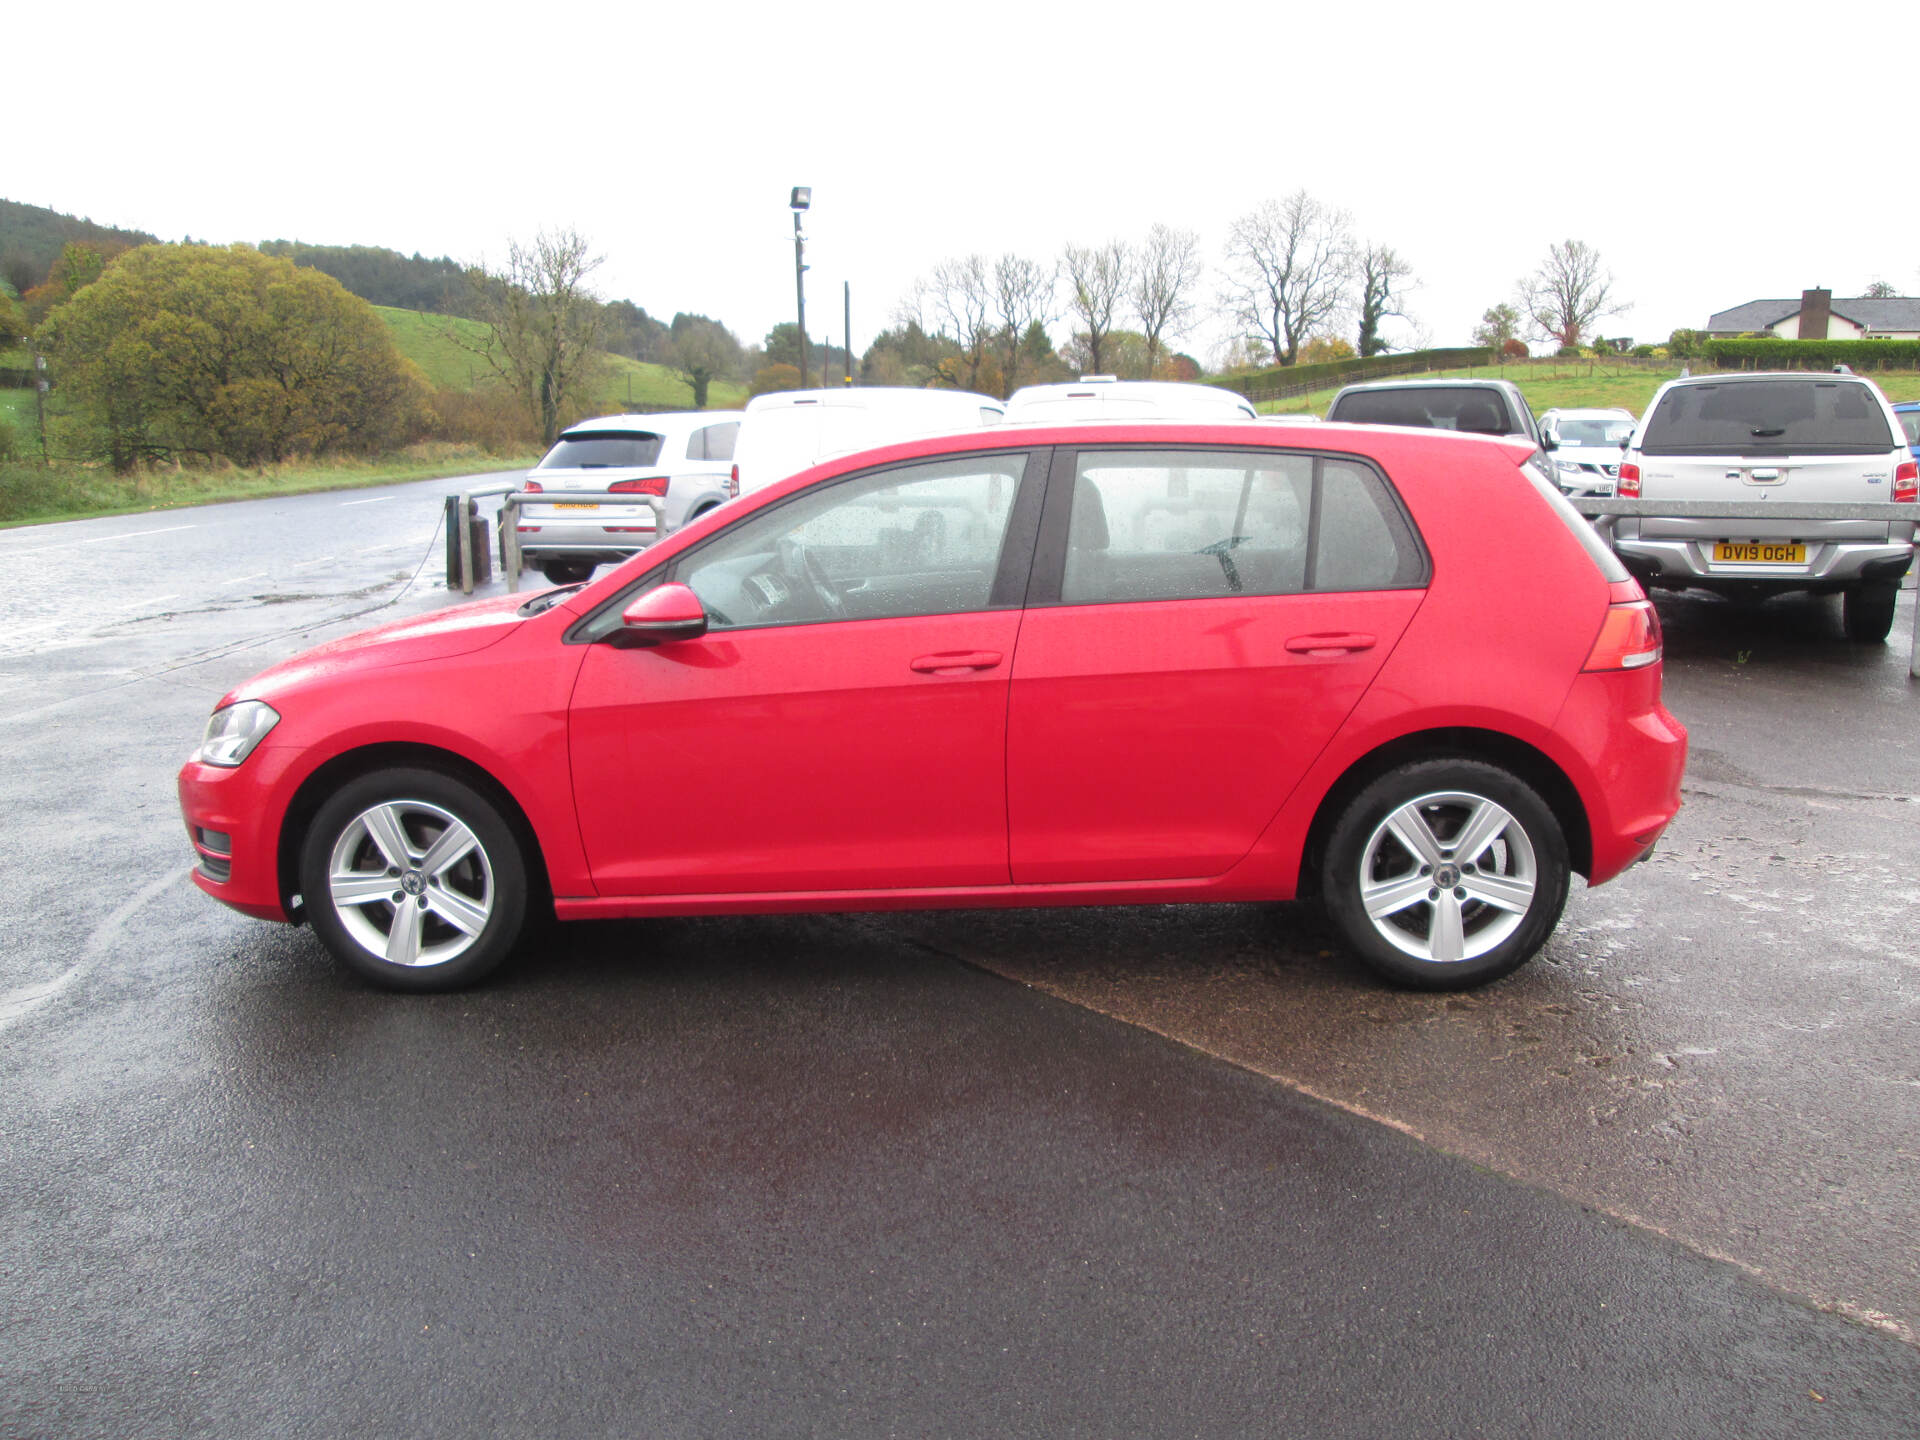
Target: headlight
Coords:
[[234, 731], [1570, 467]]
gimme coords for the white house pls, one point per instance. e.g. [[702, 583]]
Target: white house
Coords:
[[1816, 315]]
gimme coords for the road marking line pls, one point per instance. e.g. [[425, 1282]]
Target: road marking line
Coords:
[[241, 580], [18, 1002], [304, 564], [377, 500], [136, 534], [152, 600]]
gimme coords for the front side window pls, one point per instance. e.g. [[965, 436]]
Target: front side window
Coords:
[[1190, 525], [913, 540], [602, 450]]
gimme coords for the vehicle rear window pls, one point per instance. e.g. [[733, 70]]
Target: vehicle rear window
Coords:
[[1768, 417], [1436, 407], [603, 449]]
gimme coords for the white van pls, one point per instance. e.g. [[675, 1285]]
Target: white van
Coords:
[[786, 432], [1102, 397]]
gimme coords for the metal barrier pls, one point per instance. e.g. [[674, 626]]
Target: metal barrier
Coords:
[[460, 510], [1604, 509], [510, 516]]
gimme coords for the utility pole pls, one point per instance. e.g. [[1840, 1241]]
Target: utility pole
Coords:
[[801, 199], [846, 297]]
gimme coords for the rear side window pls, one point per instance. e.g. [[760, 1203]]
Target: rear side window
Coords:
[[1436, 407], [713, 442], [1768, 417], [1910, 422], [1195, 525], [603, 449]]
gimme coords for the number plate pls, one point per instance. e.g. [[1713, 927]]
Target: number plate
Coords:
[[564, 506], [1732, 552]]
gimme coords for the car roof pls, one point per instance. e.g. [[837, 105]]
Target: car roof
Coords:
[[1430, 383], [869, 397], [665, 420]]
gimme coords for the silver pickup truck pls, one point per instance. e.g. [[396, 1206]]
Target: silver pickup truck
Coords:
[[1805, 437]]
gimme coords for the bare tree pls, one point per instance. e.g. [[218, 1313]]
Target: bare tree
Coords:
[[1288, 266], [1568, 293], [1022, 298], [1165, 276], [957, 299], [1880, 290], [543, 324], [1384, 278], [1098, 278]]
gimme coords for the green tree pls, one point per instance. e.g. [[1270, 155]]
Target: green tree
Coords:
[[703, 351], [13, 323], [192, 349], [1500, 324], [543, 326], [769, 378]]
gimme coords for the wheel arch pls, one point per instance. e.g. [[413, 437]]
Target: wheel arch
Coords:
[[367, 759], [1525, 761]]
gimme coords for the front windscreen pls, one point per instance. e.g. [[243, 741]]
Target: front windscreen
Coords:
[[1592, 432], [1432, 407], [605, 449], [1768, 417]]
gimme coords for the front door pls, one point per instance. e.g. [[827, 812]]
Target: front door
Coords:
[[842, 725]]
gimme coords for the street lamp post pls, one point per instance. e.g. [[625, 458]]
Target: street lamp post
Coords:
[[802, 198]]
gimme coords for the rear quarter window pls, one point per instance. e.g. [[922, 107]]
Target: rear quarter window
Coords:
[[1768, 417]]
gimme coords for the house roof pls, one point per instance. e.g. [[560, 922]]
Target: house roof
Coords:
[[1895, 312]]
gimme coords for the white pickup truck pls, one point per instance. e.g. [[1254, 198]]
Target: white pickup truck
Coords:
[[1794, 437]]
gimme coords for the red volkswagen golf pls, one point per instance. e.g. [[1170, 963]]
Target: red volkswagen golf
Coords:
[[1085, 665]]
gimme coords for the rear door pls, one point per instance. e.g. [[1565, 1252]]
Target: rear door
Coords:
[[1200, 624]]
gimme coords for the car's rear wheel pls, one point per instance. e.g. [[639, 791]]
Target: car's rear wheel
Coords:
[[1866, 610], [414, 880], [1445, 874], [567, 572]]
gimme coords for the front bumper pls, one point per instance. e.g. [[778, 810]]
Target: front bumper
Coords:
[[234, 802]]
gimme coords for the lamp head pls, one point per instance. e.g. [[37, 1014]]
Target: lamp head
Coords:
[[802, 197]]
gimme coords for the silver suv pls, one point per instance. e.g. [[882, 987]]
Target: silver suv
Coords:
[[1804, 437]]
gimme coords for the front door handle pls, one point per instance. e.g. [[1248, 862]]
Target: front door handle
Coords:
[[1345, 643], [956, 662]]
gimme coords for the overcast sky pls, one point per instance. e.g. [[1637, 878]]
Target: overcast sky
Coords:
[[1714, 154]]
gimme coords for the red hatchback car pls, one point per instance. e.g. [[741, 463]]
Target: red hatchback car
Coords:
[[1091, 664]]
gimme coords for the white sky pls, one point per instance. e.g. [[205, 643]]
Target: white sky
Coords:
[[1713, 153]]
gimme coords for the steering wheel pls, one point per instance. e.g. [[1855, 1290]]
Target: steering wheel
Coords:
[[800, 563]]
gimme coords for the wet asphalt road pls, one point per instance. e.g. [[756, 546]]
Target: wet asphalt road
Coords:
[[835, 1176]]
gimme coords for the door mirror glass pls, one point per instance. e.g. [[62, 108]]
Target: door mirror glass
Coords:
[[665, 613]]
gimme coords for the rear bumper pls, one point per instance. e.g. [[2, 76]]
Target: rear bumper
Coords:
[[1635, 753], [1680, 549]]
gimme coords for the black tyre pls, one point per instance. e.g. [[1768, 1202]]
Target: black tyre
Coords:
[[1867, 610], [567, 572], [1445, 874], [414, 880]]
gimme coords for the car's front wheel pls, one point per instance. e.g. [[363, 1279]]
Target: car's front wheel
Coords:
[[414, 880], [1866, 610], [1445, 874]]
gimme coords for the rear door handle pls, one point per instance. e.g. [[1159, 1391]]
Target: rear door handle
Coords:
[[1326, 645], [956, 662]]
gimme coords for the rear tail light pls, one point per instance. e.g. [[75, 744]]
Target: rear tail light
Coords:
[[1629, 636], [1906, 481], [1629, 486], [733, 484], [649, 485], [535, 487]]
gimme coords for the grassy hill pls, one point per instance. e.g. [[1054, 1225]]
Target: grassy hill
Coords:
[[430, 342], [1577, 385]]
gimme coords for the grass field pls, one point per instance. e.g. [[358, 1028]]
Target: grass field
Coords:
[[1577, 385], [433, 342], [31, 494]]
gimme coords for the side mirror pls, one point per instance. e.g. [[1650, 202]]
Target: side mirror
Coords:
[[1549, 440], [665, 613]]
